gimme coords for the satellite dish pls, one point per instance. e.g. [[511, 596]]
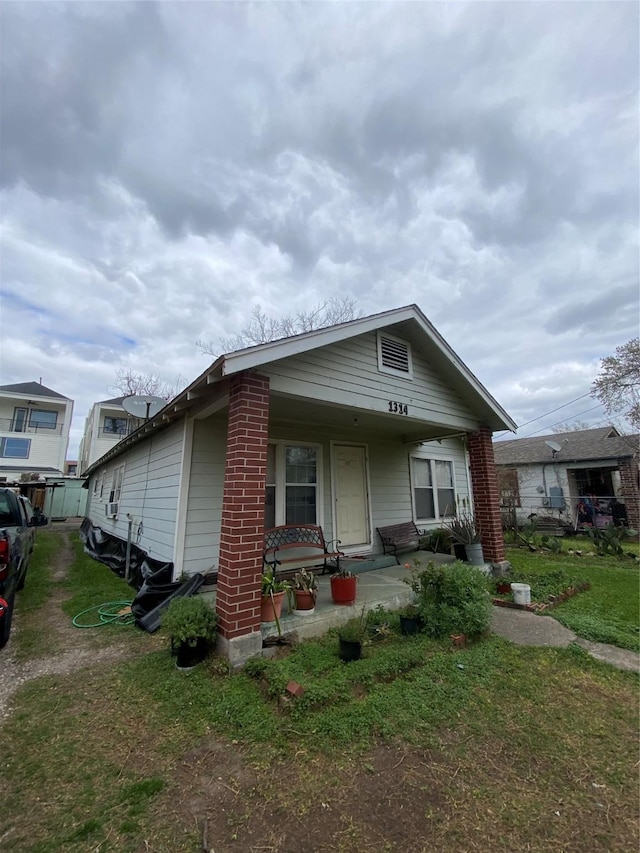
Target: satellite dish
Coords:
[[555, 447], [143, 406]]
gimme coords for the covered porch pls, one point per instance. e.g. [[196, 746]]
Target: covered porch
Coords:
[[383, 587]]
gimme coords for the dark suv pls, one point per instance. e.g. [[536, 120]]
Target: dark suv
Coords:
[[17, 523]]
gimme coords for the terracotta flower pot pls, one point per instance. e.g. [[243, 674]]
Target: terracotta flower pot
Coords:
[[343, 590], [305, 602], [267, 606]]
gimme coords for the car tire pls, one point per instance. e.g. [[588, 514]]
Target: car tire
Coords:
[[5, 623]]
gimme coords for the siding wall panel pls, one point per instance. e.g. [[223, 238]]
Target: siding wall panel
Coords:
[[149, 493]]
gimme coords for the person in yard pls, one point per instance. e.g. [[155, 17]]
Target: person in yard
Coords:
[[585, 511]]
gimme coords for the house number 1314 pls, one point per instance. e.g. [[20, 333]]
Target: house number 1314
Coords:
[[398, 408]]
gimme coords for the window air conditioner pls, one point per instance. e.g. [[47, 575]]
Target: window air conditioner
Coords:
[[111, 510]]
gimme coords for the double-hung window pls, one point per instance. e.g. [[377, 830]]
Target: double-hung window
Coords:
[[292, 484], [116, 484], [433, 487]]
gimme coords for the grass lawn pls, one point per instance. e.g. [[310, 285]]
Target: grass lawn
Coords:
[[416, 747], [610, 611]]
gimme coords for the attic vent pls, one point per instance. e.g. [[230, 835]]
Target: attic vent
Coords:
[[394, 356]]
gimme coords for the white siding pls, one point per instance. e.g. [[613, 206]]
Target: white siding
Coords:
[[391, 478], [204, 504], [347, 373], [390, 486], [149, 493]]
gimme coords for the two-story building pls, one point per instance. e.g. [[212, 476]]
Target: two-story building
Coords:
[[34, 430], [107, 423]]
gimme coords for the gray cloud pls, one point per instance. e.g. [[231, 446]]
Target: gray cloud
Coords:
[[165, 166]]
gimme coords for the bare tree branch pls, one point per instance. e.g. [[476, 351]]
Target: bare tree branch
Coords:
[[129, 382], [618, 384], [260, 329]]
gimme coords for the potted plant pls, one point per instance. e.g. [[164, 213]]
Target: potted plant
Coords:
[[410, 620], [343, 587], [305, 590], [351, 637], [503, 586], [464, 531], [191, 623], [273, 591]]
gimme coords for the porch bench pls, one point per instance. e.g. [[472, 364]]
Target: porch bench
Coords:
[[400, 537], [303, 542]]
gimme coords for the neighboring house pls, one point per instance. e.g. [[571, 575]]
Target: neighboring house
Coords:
[[107, 423], [34, 430], [352, 427], [553, 475]]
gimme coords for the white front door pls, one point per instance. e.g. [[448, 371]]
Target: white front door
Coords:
[[351, 495]]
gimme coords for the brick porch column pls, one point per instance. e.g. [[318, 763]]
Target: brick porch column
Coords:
[[485, 494], [242, 523], [630, 492]]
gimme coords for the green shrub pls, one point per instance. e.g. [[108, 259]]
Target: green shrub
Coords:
[[453, 599], [189, 619], [438, 541]]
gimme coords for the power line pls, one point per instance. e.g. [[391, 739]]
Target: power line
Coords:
[[563, 406], [549, 426]]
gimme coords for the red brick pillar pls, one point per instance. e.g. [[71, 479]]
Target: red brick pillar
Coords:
[[630, 491], [242, 524], [485, 494]]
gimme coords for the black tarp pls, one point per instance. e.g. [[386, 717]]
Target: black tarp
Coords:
[[152, 578], [112, 551]]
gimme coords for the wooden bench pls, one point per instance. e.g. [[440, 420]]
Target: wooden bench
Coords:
[[306, 540], [400, 537]]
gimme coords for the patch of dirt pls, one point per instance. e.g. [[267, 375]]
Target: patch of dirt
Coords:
[[80, 645], [453, 797]]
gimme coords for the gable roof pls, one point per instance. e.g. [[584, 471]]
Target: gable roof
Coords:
[[577, 446], [408, 321], [31, 389], [115, 401]]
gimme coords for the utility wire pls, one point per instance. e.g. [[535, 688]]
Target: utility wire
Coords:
[[563, 406], [535, 432]]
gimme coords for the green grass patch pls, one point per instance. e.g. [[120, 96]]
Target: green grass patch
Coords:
[[37, 589], [90, 583], [100, 747], [609, 612], [30, 641]]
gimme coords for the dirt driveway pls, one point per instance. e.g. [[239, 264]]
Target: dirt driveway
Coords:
[[55, 622]]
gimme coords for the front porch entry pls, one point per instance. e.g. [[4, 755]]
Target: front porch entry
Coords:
[[351, 496]]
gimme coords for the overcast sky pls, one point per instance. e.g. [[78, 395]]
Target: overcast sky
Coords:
[[165, 167]]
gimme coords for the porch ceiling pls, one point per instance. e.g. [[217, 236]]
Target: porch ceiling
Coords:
[[357, 422]]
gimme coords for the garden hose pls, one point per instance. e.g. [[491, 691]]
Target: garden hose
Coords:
[[110, 612]]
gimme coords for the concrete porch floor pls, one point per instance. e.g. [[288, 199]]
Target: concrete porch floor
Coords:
[[376, 587]]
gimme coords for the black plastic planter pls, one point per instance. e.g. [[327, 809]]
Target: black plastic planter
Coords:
[[188, 656], [350, 650], [410, 625]]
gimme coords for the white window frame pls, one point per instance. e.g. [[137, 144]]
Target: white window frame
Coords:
[[97, 485], [438, 514], [392, 371], [117, 480], [280, 483]]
